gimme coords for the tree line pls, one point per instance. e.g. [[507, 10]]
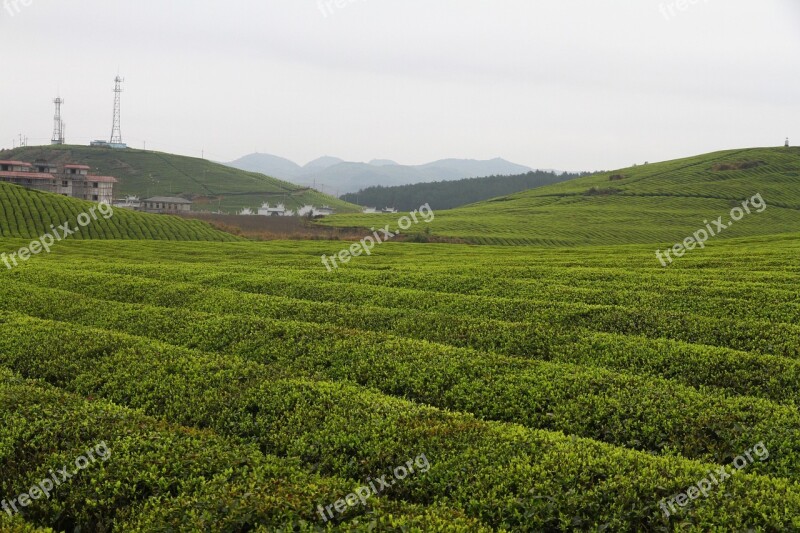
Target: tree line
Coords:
[[452, 194]]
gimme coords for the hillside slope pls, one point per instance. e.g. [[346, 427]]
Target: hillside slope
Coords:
[[28, 214], [655, 203], [212, 186]]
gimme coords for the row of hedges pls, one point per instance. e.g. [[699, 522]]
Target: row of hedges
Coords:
[[753, 374], [159, 477], [640, 412], [502, 474]]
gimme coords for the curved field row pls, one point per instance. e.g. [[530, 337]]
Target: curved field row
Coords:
[[642, 412], [153, 474], [753, 374], [494, 472]]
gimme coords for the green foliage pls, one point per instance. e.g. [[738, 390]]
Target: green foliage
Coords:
[[505, 464], [551, 389], [160, 477]]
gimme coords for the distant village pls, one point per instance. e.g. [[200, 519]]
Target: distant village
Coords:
[[67, 180], [76, 181], [280, 210]]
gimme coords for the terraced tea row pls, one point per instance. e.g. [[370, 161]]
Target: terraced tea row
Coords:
[[555, 338], [553, 399], [157, 477], [714, 287], [644, 413], [495, 472]]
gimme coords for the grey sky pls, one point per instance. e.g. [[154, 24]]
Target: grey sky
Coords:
[[571, 84]]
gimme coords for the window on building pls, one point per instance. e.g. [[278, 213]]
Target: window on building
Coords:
[[94, 184], [65, 183], [95, 197]]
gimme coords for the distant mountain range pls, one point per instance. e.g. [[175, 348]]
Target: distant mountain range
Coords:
[[335, 174]]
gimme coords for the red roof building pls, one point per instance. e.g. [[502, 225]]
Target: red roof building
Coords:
[[70, 180]]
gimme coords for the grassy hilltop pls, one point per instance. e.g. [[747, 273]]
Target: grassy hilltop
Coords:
[[211, 185], [654, 203]]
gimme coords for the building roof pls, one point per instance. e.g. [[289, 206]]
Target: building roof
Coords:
[[78, 167], [167, 200], [27, 175], [101, 179], [16, 163]]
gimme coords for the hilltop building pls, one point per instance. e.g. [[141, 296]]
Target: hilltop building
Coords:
[[166, 204], [74, 181]]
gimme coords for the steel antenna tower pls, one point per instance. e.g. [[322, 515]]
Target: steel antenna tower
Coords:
[[58, 127], [116, 133]]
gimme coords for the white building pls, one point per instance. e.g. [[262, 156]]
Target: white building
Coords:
[[278, 211], [129, 202], [310, 210]]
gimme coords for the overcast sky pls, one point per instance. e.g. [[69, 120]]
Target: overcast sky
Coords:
[[567, 84]]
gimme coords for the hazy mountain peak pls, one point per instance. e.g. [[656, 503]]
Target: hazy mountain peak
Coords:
[[271, 165], [323, 162]]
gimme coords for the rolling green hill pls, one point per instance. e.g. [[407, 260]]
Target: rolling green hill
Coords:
[[211, 186], [654, 203], [27, 214]]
